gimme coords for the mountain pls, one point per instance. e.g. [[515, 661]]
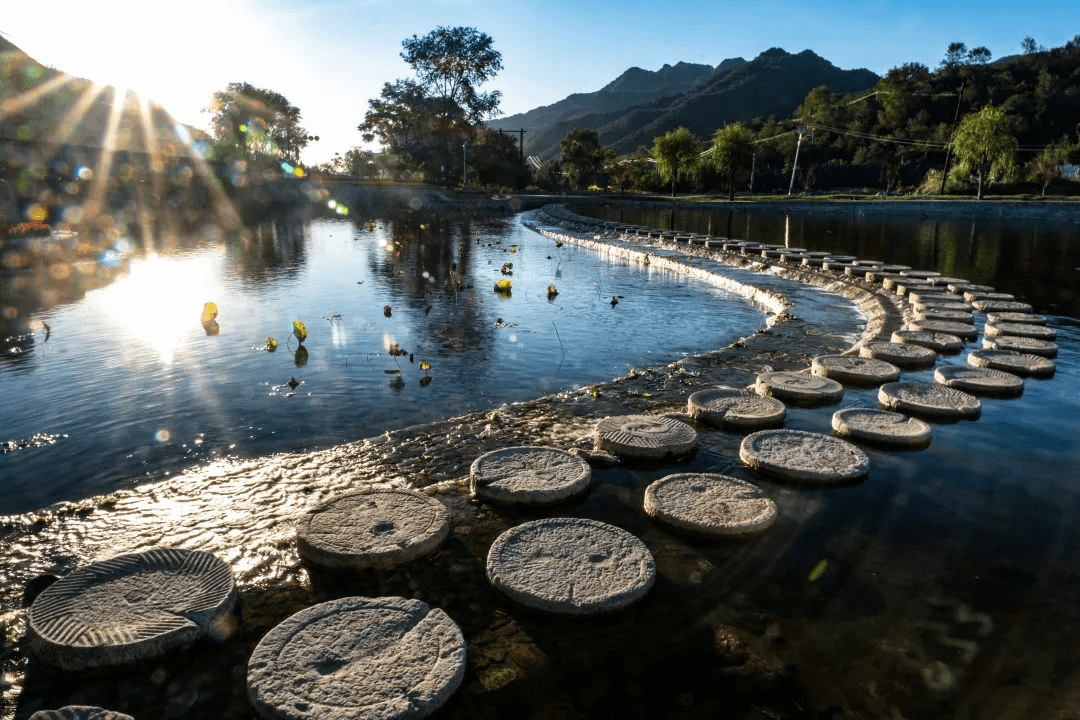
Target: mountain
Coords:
[[634, 87], [774, 83]]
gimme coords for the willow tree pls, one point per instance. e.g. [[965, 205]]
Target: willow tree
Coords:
[[731, 153], [677, 153], [984, 144]]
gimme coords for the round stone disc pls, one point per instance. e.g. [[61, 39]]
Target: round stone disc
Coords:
[[798, 387], [131, 608], [973, 295], [1018, 363], [964, 331], [929, 400], [1039, 332], [949, 282], [1032, 346], [962, 316], [965, 287], [939, 305], [805, 456], [923, 274], [1001, 306], [357, 657], [734, 408], [980, 381], [941, 342], [924, 296], [573, 566], [1015, 317], [644, 436], [372, 529], [854, 370], [533, 475], [881, 427], [902, 355], [709, 504], [80, 712]]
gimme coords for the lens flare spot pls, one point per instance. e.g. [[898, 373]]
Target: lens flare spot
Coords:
[[163, 435], [84, 173], [37, 213]]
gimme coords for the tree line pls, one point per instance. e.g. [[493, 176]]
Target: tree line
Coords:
[[965, 125]]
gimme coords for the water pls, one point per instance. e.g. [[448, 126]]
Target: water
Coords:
[[136, 389]]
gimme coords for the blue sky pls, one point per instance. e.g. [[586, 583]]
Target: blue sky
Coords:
[[329, 57]]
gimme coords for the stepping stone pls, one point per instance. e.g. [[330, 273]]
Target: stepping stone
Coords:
[[529, 475], [973, 295], [803, 456], [929, 400], [644, 436], [938, 341], [1032, 346], [964, 331], [798, 387], [372, 529], [980, 381], [962, 316], [1001, 306], [946, 282], [1015, 317], [573, 566], [881, 427], [1022, 364], [80, 712], [131, 608], [881, 275], [854, 370], [709, 504], [734, 408], [907, 285], [903, 355], [925, 296], [1039, 332], [939, 305], [357, 657], [968, 287], [921, 274]]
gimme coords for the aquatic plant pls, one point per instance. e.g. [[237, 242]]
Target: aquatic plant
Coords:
[[504, 286], [299, 330], [271, 344], [552, 291]]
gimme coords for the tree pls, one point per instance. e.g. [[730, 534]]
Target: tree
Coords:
[[582, 158], [1045, 168], [677, 153], [980, 55], [955, 55], [253, 122], [426, 120], [732, 152], [1029, 46], [983, 142], [496, 160]]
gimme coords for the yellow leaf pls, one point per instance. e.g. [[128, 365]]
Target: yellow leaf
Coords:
[[299, 330], [818, 571], [209, 313]]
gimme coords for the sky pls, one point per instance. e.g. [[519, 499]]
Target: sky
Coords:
[[330, 57]]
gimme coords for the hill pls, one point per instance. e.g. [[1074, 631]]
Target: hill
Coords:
[[772, 84]]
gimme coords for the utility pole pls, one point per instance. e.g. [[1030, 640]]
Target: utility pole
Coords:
[[795, 163], [464, 167], [753, 166], [948, 148]]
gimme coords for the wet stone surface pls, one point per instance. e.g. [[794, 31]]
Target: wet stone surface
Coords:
[[881, 427], [803, 456], [1012, 361], [734, 408], [929, 400], [532, 475], [904, 355], [644, 436], [980, 381], [79, 712], [709, 504], [799, 387], [855, 370]]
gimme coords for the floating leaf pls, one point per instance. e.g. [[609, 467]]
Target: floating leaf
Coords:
[[271, 344], [818, 571], [513, 248], [425, 365], [387, 310], [209, 312], [503, 286], [552, 291], [299, 330]]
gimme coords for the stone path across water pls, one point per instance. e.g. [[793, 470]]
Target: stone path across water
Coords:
[[709, 504]]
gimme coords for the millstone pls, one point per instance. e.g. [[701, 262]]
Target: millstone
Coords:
[[965, 287], [372, 529], [1018, 363], [1032, 346], [1039, 332], [854, 370], [1001, 306], [804, 456], [357, 657], [980, 381], [881, 427], [902, 355], [573, 566], [941, 342], [734, 408], [964, 331], [709, 504], [921, 274], [533, 475], [644, 436], [948, 282], [962, 316], [907, 285], [131, 608], [894, 282], [929, 400], [79, 712], [924, 296], [1015, 317], [799, 388]]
